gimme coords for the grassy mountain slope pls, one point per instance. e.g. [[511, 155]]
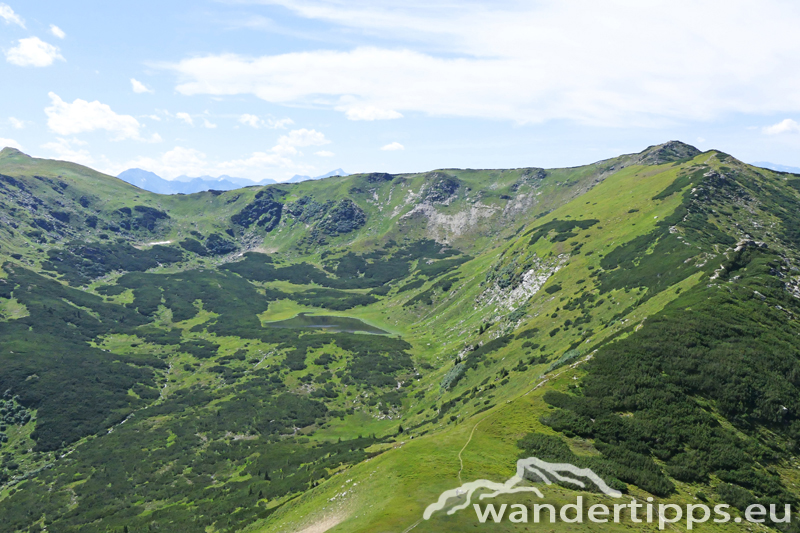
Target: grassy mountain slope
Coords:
[[636, 316]]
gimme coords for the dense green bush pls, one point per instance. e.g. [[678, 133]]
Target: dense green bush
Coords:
[[79, 390], [81, 262], [729, 349], [562, 228], [332, 299], [344, 217], [217, 245], [353, 271], [264, 211], [193, 246], [426, 297]]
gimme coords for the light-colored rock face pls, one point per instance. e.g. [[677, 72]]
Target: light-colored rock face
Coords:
[[410, 198], [443, 227], [533, 280], [518, 205], [793, 286]]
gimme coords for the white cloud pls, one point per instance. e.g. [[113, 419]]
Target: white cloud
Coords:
[[608, 63], [260, 164], [324, 153], [33, 52], [288, 144], [208, 124], [7, 14], [250, 120], [139, 87], [371, 113], [256, 162], [81, 116], [192, 162], [257, 122], [56, 31], [278, 124], [173, 163], [186, 117], [154, 117], [391, 147], [785, 126], [10, 143], [277, 162], [16, 123], [65, 150], [303, 137]]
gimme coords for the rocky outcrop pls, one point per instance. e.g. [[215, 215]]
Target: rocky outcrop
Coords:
[[378, 177], [667, 153], [147, 217], [305, 209], [217, 245], [511, 296], [264, 212], [344, 217], [529, 177], [443, 227], [442, 188]]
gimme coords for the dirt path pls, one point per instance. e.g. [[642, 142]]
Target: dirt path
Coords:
[[323, 525], [460, 460]]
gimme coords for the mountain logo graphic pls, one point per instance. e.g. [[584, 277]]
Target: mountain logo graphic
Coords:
[[531, 468]]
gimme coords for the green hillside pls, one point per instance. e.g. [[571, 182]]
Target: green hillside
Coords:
[[333, 355]]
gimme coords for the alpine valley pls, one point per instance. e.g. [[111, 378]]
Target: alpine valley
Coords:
[[333, 355]]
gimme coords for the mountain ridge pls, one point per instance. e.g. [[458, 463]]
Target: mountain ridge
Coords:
[[636, 316]]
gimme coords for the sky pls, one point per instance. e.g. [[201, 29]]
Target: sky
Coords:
[[273, 88]]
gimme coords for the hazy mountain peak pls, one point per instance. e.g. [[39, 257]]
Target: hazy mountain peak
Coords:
[[297, 178], [139, 173], [185, 184], [337, 172], [777, 167]]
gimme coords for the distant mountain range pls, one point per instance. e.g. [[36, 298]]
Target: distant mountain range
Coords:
[[297, 178], [152, 182], [775, 166]]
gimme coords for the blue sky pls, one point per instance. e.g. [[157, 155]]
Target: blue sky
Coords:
[[273, 88]]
